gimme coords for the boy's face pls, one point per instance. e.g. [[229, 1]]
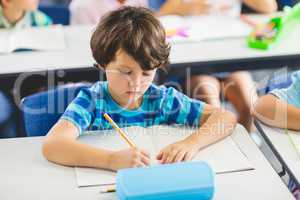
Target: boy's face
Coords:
[[26, 5], [127, 81]]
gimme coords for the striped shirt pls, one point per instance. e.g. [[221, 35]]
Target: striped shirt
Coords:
[[30, 18], [160, 105], [291, 94]]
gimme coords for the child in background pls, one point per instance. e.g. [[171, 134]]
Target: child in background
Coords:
[[21, 14], [201, 7], [281, 107], [237, 87], [130, 45], [90, 11], [17, 14]]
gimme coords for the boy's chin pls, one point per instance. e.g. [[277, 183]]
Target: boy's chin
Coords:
[[33, 8]]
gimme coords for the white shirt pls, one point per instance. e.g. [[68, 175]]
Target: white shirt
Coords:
[[230, 8], [90, 11]]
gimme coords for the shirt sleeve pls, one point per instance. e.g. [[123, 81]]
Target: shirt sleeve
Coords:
[[42, 19], [180, 109], [291, 95], [80, 111]]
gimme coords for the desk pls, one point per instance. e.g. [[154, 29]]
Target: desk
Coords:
[[282, 149], [207, 56], [25, 174]]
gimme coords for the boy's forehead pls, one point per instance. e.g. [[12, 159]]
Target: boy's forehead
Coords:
[[124, 59]]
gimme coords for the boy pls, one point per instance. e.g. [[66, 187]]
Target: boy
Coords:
[[129, 44], [21, 13], [281, 108]]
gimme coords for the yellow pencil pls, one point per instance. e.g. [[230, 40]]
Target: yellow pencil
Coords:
[[108, 190], [122, 133], [293, 143]]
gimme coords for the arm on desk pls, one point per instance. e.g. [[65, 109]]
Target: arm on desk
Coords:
[[275, 112], [262, 6], [61, 146], [216, 124], [177, 7]]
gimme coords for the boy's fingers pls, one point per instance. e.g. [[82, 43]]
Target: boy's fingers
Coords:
[[164, 157], [139, 163], [146, 160], [172, 156], [188, 156], [180, 156], [145, 153], [159, 156]]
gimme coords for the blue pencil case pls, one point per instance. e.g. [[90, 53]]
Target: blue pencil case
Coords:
[[179, 181]]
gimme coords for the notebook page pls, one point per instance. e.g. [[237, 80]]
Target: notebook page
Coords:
[[34, 38], [295, 140], [5, 38], [110, 140], [224, 156]]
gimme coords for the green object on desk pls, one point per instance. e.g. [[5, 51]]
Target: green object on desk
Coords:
[[271, 32]]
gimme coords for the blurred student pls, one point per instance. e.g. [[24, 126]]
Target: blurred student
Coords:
[[16, 14], [90, 11], [237, 87], [200, 7], [21, 14], [281, 107]]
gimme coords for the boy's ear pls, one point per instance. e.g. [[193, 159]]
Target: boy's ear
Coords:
[[4, 3], [98, 67]]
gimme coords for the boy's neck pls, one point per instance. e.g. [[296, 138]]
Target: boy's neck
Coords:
[[128, 105], [13, 15]]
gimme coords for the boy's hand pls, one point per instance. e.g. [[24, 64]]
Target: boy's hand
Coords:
[[184, 150], [129, 158], [121, 1]]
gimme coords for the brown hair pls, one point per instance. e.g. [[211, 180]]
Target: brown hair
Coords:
[[134, 30]]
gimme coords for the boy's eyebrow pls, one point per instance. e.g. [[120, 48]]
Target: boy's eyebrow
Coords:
[[130, 68], [123, 66]]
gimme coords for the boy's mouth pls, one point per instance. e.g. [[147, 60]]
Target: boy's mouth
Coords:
[[133, 92]]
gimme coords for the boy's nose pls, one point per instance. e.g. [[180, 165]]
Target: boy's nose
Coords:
[[135, 82]]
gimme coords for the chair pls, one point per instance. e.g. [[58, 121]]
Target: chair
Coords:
[[42, 110], [58, 13]]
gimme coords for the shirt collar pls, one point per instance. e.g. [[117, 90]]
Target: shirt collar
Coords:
[[24, 22]]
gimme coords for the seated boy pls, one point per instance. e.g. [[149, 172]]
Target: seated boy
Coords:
[[129, 44], [21, 13], [281, 108]]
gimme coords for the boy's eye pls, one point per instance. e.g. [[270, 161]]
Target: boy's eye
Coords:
[[146, 74], [125, 72]]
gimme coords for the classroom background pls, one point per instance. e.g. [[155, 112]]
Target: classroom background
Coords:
[[12, 124], [21, 91]]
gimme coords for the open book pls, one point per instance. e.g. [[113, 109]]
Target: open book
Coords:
[[34, 38], [294, 138], [224, 156], [199, 28]]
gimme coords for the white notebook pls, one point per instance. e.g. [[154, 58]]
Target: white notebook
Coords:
[[34, 38], [295, 140], [224, 156], [199, 28]]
